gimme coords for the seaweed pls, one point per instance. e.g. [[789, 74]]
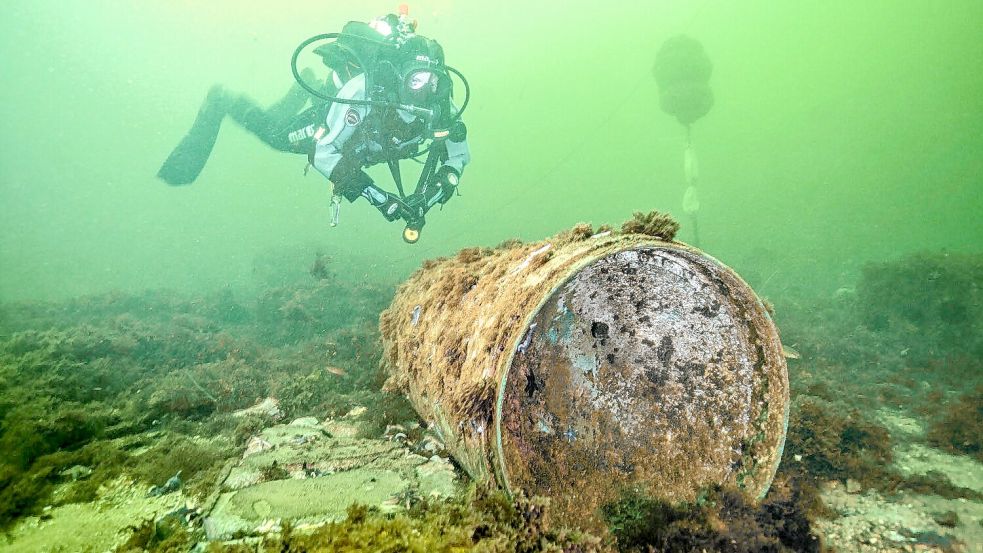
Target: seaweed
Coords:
[[720, 520], [302, 311], [244, 427], [319, 268], [928, 304], [469, 255], [653, 223], [828, 441], [833, 442], [105, 460], [916, 322], [481, 521], [959, 429], [168, 535], [204, 389], [23, 491], [40, 427], [508, 244], [40, 438], [193, 459], [933, 482], [389, 409], [82, 377], [273, 472], [579, 232]]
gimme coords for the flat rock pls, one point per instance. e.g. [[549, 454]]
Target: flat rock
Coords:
[[309, 500], [342, 428], [902, 521], [304, 421], [852, 486], [310, 476], [962, 470], [97, 526], [436, 477]]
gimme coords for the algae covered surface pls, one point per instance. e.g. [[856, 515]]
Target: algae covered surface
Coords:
[[605, 418], [283, 438], [198, 368]]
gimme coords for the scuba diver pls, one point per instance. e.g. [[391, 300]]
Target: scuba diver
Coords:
[[387, 98]]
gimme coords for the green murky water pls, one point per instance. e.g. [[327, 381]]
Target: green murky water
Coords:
[[840, 172], [840, 134]]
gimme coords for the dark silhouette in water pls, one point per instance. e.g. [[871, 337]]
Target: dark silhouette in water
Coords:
[[682, 71]]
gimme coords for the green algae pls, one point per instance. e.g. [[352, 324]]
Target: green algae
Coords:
[[166, 536], [869, 349], [80, 374], [479, 521], [653, 223], [832, 443], [101, 525], [196, 460], [720, 520], [142, 387], [931, 305], [40, 444], [959, 428]]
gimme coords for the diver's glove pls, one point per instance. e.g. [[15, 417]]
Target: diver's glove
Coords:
[[414, 207], [440, 188], [446, 180]]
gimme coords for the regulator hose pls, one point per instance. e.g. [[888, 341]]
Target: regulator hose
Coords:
[[318, 94], [467, 91]]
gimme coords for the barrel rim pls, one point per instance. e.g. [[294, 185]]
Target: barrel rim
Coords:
[[602, 250]]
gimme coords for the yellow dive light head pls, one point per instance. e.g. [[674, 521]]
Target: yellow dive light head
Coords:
[[411, 235]]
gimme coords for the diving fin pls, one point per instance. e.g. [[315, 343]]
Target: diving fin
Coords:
[[190, 155]]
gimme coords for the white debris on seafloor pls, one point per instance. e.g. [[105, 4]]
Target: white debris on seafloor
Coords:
[[76, 472], [256, 445], [269, 407], [790, 353], [521, 348], [355, 412], [304, 421], [393, 429], [432, 445], [532, 256], [269, 526]]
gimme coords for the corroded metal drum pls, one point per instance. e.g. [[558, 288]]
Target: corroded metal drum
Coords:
[[578, 367]]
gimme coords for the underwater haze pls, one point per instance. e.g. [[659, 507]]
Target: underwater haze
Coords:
[[216, 364], [841, 133]]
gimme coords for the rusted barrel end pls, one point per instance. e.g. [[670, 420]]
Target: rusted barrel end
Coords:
[[582, 365], [654, 368]]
